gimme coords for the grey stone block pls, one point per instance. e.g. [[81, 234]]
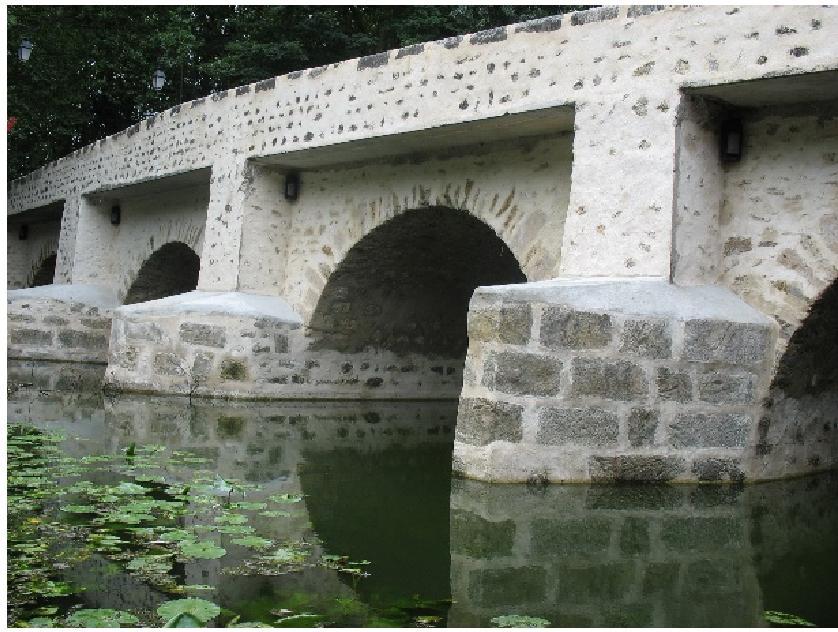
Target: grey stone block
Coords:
[[641, 426], [618, 380], [715, 469], [205, 335], [82, 339], [55, 320], [281, 343], [634, 536], [594, 584], [722, 341], [727, 387], [509, 586], [674, 386], [202, 365], [30, 337], [635, 467], [96, 323], [580, 426], [647, 338], [233, 369], [522, 373], [698, 533], [143, 331], [710, 430], [481, 421], [509, 324], [167, 364], [570, 536], [20, 318], [562, 328], [477, 537], [125, 358]]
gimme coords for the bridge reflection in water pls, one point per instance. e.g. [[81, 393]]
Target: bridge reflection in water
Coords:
[[376, 483]]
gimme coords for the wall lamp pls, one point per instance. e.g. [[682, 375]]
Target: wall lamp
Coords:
[[158, 79], [116, 215], [23, 232], [731, 140], [292, 186], [24, 50]]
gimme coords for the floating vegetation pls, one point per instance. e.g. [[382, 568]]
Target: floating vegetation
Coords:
[[519, 621], [784, 619], [143, 514]]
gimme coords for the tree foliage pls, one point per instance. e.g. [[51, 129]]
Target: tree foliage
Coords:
[[89, 74]]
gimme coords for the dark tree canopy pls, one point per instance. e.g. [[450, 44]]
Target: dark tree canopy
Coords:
[[89, 74]]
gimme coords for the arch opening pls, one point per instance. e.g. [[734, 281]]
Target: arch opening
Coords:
[[45, 272], [171, 269], [403, 291], [802, 424]]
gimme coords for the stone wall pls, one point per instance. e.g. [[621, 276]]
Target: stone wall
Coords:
[[24, 257], [621, 67], [605, 381], [61, 325]]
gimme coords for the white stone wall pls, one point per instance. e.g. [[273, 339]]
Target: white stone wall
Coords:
[[621, 68], [113, 255], [779, 216], [24, 257], [521, 191]]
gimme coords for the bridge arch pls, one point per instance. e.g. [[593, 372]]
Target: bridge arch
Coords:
[[404, 288], [800, 430], [43, 268], [171, 269]]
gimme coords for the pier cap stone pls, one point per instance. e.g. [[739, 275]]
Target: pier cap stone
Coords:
[[217, 303], [649, 298], [92, 295]]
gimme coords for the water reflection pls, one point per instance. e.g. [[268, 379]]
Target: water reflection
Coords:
[[376, 484]]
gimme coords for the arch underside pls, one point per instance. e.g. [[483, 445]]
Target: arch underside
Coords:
[[172, 269], [799, 432], [399, 299]]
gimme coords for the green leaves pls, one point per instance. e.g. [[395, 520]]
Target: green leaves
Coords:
[[200, 609], [101, 618], [203, 550], [519, 621], [783, 619]]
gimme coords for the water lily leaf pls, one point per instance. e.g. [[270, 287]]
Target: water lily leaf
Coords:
[[519, 621], [302, 620], [248, 506], [183, 620], [176, 535], [253, 542], [41, 622], [235, 529], [201, 609], [275, 514], [286, 556], [784, 619], [129, 489], [203, 550], [231, 518], [101, 618], [285, 498], [79, 509]]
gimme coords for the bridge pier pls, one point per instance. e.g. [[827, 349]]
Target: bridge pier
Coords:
[[600, 380]]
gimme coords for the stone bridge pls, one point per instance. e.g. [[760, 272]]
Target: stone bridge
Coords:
[[644, 197]]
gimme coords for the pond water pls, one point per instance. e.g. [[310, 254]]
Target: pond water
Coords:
[[346, 514]]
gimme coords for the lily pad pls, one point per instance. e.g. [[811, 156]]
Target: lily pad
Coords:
[[203, 550], [101, 618], [286, 498], [302, 620], [253, 542], [201, 609], [519, 621]]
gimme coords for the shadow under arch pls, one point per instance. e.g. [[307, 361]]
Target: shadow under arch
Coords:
[[406, 285], [171, 269], [44, 273], [801, 427]]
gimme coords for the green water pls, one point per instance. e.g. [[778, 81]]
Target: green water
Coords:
[[373, 484]]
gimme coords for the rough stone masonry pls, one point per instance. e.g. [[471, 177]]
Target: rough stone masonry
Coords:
[[645, 309]]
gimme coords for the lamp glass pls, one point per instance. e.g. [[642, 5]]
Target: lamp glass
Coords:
[[25, 50], [158, 79]]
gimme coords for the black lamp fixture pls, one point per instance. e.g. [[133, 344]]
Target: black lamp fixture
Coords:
[[116, 214], [292, 186], [731, 140], [24, 50], [23, 232], [158, 79]]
